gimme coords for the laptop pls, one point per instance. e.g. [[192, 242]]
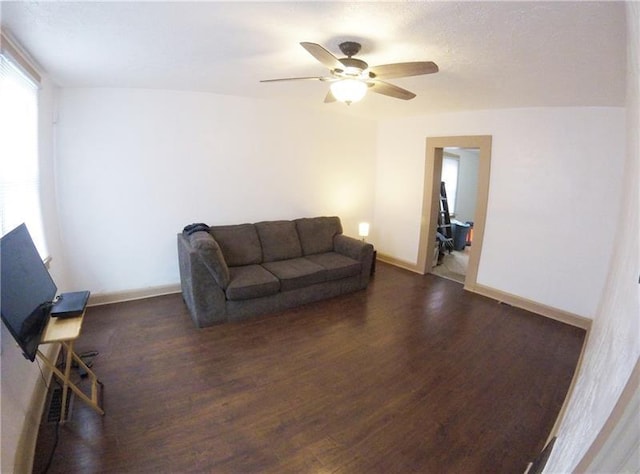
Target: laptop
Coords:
[[71, 304]]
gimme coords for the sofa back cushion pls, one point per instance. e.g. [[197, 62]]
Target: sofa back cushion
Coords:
[[316, 233], [240, 244], [279, 240]]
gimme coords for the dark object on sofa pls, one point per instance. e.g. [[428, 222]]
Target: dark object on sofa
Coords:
[[236, 271], [193, 228]]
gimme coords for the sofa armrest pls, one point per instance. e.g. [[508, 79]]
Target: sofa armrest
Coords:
[[358, 250], [354, 248], [211, 255], [202, 294]]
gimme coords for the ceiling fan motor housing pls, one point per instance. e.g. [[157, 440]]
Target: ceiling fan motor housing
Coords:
[[350, 48]]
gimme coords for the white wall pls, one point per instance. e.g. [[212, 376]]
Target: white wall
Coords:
[[555, 173], [613, 346], [135, 166]]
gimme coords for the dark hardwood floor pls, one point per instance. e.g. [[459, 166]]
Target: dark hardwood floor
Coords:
[[412, 375]]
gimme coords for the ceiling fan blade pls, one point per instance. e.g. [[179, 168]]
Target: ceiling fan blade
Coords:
[[313, 78], [396, 92], [329, 97], [390, 71], [322, 55]]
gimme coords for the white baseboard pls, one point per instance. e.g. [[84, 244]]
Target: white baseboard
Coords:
[[529, 305], [502, 296], [130, 295], [396, 262]]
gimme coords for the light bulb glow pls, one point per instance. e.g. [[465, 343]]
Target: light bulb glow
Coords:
[[348, 90], [363, 229]]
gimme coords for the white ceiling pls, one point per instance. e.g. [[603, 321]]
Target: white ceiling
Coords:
[[490, 54]]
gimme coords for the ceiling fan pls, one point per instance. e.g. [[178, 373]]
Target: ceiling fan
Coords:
[[350, 78]]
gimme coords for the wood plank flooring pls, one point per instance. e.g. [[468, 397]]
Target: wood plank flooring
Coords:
[[412, 375]]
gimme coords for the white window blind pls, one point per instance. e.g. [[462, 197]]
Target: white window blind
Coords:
[[19, 173], [450, 178]]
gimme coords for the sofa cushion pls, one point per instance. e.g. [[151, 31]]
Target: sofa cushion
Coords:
[[279, 240], [296, 273], [240, 244], [336, 265], [211, 256], [316, 233], [251, 281]]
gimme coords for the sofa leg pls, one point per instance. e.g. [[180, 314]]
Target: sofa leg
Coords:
[[373, 262]]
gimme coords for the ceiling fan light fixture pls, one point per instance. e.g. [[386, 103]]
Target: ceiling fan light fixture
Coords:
[[349, 90], [351, 77]]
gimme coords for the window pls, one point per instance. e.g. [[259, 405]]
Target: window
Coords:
[[450, 177], [19, 173]]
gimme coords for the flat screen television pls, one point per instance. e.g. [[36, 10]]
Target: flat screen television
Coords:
[[26, 290]]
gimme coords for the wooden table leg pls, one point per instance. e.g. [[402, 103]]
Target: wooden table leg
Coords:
[[68, 346], [93, 401]]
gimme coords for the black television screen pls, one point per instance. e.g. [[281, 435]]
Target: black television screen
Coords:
[[26, 290]]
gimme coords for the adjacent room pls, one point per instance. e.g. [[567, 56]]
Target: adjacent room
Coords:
[[321, 236]]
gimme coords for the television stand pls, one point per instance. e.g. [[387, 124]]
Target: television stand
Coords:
[[66, 331]]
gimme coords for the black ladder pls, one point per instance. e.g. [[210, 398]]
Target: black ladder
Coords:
[[445, 238]]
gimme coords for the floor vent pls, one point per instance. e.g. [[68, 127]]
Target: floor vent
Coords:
[[55, 405]]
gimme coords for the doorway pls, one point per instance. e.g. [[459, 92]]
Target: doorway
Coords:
[[458, 194], [435, 150]]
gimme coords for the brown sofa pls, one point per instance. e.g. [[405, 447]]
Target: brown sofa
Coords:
[[237, 271]]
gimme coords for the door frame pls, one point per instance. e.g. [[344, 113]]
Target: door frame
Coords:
[[431, 200]]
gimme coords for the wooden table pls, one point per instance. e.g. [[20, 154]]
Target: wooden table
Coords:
[[65, 331]]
